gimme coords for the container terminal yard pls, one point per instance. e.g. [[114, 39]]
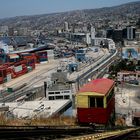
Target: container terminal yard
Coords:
[[35, 80]]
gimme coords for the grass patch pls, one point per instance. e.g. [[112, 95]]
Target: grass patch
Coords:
[[52, 121]]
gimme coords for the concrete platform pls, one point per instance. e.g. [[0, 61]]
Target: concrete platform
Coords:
[[33, 109]]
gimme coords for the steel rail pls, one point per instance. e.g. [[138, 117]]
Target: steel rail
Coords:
[[112, 135], [18, 132]]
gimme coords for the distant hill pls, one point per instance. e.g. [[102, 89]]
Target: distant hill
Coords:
[[88, 15]]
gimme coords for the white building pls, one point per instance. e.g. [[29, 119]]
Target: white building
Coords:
[[4, 29], [97, 42], [111, 44], [92, 33], [50, 54], [130, 33], [5, 47], [66, 26], [138, 35], [23, 31], [88, 38], [58, 88], [59, 95], [85, 29], [128, 75]]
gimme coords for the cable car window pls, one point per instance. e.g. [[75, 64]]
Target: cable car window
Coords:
[[96, 102], [111, 94], [99, 102], [91, 101]]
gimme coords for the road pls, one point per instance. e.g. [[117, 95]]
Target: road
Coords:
[[94, 70], [127, 101]]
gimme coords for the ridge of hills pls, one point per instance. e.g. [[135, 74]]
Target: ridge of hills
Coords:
[[52, 20]]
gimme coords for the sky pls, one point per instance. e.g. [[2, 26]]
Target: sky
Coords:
[[11, 8]]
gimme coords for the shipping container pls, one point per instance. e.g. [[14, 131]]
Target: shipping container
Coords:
[[42, 56]]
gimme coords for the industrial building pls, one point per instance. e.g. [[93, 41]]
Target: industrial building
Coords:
[[59, 87]]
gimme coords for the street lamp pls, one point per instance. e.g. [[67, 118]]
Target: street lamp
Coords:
[[89, 79]]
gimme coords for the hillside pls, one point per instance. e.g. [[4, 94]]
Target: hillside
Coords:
[[44, 21]]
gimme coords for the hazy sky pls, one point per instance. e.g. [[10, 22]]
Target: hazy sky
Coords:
[[10, 8]]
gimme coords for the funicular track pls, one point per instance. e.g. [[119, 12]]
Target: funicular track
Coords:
[[39, 132], [132, 134], [118, 134], [63, 133]]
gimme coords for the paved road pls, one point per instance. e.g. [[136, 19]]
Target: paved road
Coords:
[[75, 75], [127, 101]]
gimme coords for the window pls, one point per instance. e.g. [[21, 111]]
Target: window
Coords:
[[12, 60], [99, 102], [66, 91], [58, 97], [67, 97], [110, 95], [91, 101], [1, 74], [96, 102], [51, 92], [51, 98], [57, 92]]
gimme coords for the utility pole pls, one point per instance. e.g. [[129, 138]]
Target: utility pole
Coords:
[[45, 89], [2, 96], [78, 82]]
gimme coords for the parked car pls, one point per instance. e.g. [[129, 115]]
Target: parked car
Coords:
[[135, 82]]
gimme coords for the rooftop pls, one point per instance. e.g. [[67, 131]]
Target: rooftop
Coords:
[[101, 86], [31, 109], [129, 72]]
